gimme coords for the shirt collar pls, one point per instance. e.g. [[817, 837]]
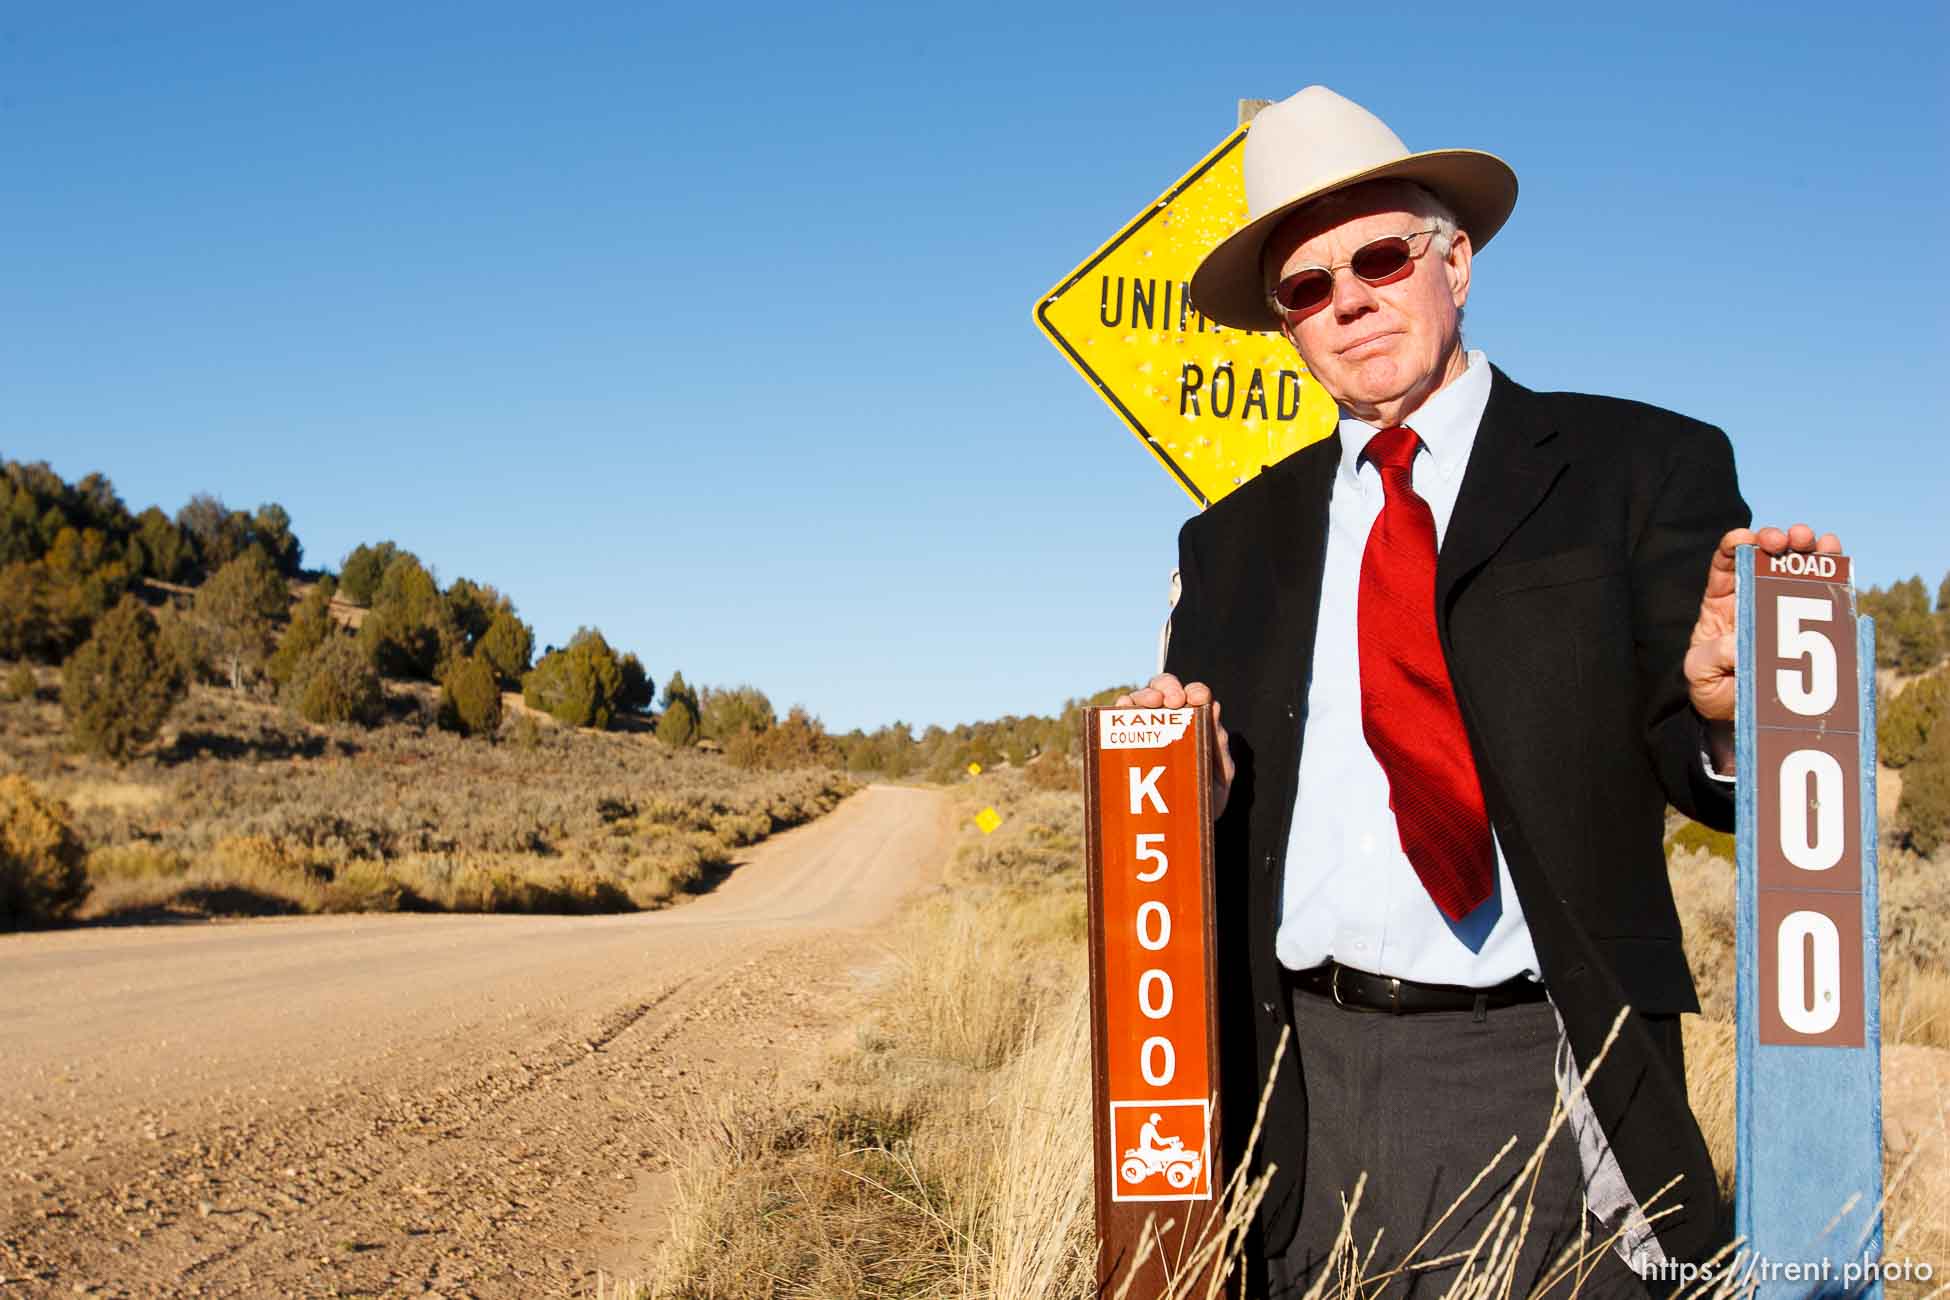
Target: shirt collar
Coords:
[[1446, 423]]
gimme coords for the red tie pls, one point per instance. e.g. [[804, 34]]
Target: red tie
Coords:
[[1408, 708]]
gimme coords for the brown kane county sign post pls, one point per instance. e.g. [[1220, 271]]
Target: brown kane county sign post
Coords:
[[1147, 787]]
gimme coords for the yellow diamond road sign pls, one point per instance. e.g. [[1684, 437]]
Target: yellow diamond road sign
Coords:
[[974, 769], [988, 819], [1214, 405]]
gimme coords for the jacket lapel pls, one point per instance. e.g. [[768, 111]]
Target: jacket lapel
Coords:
[[1299, 548], [1299, 531], [1297, 536], [1511, 466]]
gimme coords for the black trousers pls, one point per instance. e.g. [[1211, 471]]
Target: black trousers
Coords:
[[1422, 1103]]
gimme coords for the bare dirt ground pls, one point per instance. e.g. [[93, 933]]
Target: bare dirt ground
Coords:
[[400, 1105]]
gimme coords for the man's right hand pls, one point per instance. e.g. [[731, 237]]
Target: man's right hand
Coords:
[[1165, 692]]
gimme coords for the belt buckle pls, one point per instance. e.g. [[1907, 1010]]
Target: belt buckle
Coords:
[[1395, 994], [1334, 985]]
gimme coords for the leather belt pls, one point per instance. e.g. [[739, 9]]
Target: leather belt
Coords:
[[1360, 990]]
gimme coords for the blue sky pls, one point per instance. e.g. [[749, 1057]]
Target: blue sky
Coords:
[[710, 325]]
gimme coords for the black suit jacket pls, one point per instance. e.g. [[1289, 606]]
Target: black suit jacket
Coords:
[[1567, 586]]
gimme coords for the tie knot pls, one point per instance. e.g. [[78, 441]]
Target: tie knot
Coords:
[[1393, 448]]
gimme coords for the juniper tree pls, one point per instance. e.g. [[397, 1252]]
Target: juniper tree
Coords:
[[470, 697], [359, 575], [335, 683], [509, 645], [241, 607], [473, 606], [677, 689], [311, 623], [678, 725], [408, 631], [638, 692], [578, 684], [271, 530], [726, 712], [161, 547], [118, 688]]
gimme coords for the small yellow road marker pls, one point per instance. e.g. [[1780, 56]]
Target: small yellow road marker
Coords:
[[974, 769], [988, 819]]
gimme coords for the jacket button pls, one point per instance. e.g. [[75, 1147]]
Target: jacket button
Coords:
[[1268, 1006], [1289, 711]]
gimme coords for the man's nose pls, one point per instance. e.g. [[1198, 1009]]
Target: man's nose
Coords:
[[1352, 294]]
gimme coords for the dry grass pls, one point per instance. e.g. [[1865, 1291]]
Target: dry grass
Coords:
[[1915, 900], [241, 808], [1916, 1007], [946, 1152]]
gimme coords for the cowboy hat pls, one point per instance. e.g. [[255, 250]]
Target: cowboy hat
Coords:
[[1310, 145]]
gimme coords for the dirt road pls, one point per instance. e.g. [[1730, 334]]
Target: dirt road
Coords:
[[377, 1105]]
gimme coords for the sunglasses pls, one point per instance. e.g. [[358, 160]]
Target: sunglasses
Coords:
[[1379, 261]]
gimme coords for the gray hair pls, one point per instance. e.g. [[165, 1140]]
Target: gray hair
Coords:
[[1414, 197]]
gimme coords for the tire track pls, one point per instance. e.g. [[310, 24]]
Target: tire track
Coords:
[[462, 1113]]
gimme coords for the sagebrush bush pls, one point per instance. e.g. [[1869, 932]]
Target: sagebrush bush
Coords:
[[335, 684], [365, 887], [43, 876], [1691, 837], [400, 816], [135, 861], [503, 889], [21, 684], [470, 698], [117, 689], [1052, 770], [1915, 897]]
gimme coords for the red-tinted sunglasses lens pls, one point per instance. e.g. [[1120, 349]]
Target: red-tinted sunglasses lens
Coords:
[[1307, 291], [1377, 263]]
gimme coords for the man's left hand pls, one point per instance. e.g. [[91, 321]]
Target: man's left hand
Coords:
[[1713, 654]]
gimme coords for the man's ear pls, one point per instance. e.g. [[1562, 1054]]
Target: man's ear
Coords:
[[1456, 266]]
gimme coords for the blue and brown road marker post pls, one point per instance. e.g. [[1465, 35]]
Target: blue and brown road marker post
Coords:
[[1808, 1198]]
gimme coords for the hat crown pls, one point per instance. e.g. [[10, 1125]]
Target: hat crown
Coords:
[[1307, 140]]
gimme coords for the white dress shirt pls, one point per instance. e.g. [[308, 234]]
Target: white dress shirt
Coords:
[[1350, 893]]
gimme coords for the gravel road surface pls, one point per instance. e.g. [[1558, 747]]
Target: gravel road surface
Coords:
[[403, 1105]]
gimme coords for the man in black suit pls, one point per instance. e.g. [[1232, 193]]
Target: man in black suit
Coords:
[[1469, 648]]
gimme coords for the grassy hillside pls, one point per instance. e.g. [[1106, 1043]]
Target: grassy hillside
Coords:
[[239, 807]]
